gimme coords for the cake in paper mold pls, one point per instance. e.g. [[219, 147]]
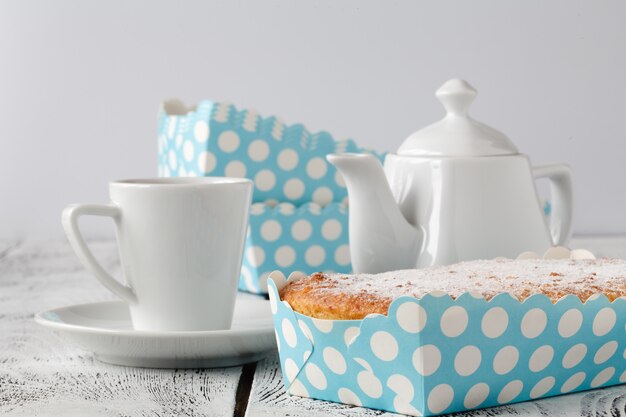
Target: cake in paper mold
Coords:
[[299, 217], [437, 354]]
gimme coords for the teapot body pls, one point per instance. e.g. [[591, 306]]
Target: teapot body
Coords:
[[469, 207], [456, 190]]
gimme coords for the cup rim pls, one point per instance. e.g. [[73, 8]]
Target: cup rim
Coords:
[[179, 181]]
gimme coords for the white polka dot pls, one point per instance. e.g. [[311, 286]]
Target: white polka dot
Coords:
[[384, 346], [201, 131], [495, 322], [179, 141], [604, 321], [603, 377], [467, 360], [188, 150], [363, 363], [255, 256], [574, 356], [287, 159], [570, 322], [403, 406], [339, 179], [622, 377], [291, 369], [510, 391], [324, 326], [454, 321], [348, 397], [370, 385], [440, 398], [263, 281], [411, 317], [315, 376], [301, 230], [541, 358], [305, 329], [350, 334], [476, 395], [437, 293], [258, 150], [402, 386], [271, 230], [534, 323], [289, 333], [286, 208], [293, 189], [334, 360], [256, 209], [228, 141], [542, 387], [285, 256], [505, 360], [315, 255], [235, 169], [265, 180], [426, 359], [605, 352], [206, 162], [298, 388], [316, 168], [323, 196], [331, 229], [342, 255], [573, 382], [173, 161]]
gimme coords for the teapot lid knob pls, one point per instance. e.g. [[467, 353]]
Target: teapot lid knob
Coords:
[[457, 134], [456, 95]]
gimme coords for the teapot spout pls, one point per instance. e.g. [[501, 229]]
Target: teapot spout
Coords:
[[381, 239]]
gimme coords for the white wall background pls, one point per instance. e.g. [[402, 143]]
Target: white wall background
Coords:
[[81, 82]]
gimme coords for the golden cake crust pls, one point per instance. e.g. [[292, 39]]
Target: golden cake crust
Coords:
[[352, 297]]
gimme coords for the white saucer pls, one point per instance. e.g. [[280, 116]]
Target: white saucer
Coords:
[[105, 329]]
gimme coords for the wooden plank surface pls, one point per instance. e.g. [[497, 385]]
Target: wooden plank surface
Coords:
[[269, 399], [41, 375]]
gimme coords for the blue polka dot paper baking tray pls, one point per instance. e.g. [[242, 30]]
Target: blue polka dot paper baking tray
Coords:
[[436, 355], [299, 219]]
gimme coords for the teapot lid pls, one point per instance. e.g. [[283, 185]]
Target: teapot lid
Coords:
[[457, 134]]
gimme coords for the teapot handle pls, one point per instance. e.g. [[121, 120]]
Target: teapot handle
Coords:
[[560, 177]]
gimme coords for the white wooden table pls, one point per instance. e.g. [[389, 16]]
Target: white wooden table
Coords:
[[40, 375]]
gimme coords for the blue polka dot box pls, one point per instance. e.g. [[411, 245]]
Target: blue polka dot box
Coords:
[[436, 355], [299, 216]]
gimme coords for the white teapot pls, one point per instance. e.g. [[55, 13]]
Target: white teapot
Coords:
[[456, 190]]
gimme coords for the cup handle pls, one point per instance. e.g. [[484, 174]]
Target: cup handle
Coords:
[[71, 214], [560, 177]]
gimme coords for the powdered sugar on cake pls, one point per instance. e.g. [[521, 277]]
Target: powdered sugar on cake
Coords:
[[521, 278]]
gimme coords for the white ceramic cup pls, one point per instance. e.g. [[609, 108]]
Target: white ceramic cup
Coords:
[[181, 244]]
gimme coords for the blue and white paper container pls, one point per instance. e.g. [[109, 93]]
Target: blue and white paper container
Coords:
[[299, 219], [437, 355], [284, 236]]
